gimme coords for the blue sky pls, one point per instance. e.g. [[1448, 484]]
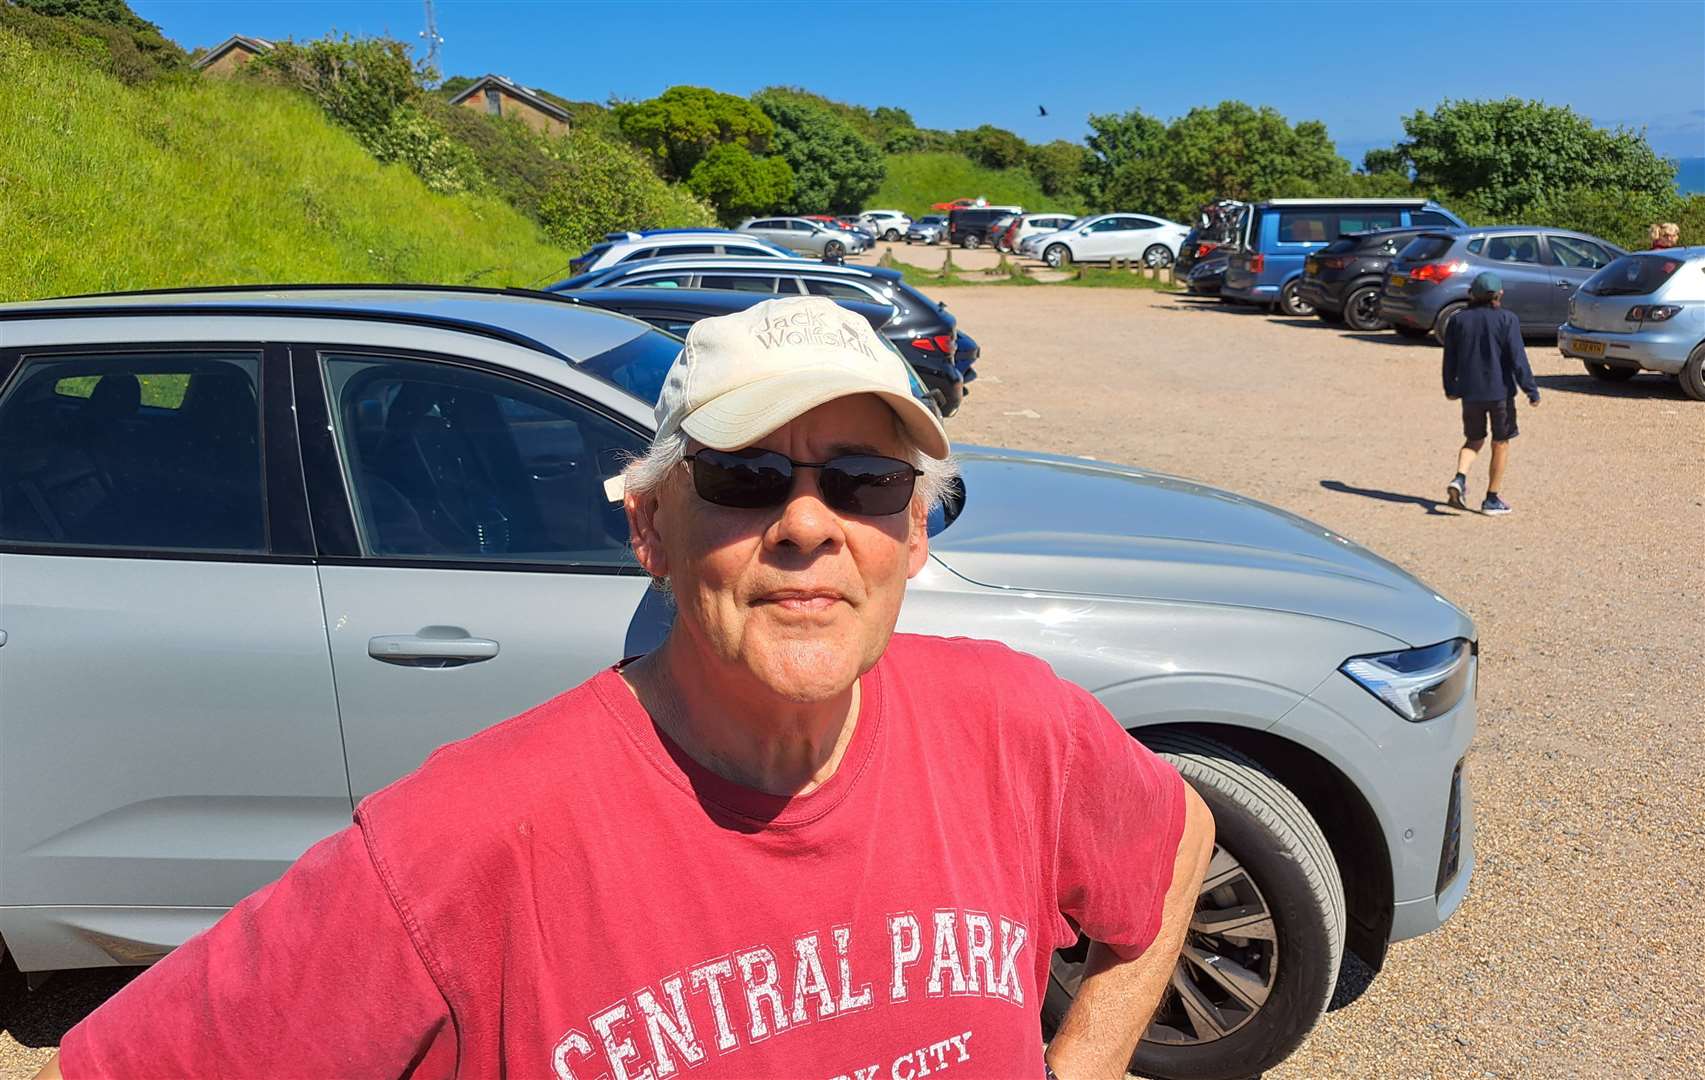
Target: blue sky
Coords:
[[1360, 67]]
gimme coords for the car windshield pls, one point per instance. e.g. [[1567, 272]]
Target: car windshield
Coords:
[[1426, 247], [1632, 275]]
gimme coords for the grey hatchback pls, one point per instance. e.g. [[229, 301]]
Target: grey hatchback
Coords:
[[1540, 267], [264, 549]]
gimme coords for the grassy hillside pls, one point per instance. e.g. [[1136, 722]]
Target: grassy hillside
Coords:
[[197, 181], [914, 181]]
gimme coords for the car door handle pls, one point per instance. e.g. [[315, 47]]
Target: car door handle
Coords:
[[434, 646], [1564, 284]]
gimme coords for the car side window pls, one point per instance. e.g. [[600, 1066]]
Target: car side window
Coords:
[[450, 462], [765, 225], [687, 249], [1477, 245], [1513, 249], [638, 254], [1573, 252], [1430, 219], [1106, 225], [837, 290], [1307, 226], [745, 249], [159, 451], [739, 283], [656, 281]]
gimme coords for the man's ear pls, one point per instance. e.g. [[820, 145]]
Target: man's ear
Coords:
[[917, 539], [642, 529]]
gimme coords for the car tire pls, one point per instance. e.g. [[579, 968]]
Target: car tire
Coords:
[[1692, 375], [1446, 314], [1058, 256], [891, 235], [1268, 851], [970, 242], [1291, 302], [1327, 315], [1609, 372], [1361, 309], [1157, 257], [834, 249]]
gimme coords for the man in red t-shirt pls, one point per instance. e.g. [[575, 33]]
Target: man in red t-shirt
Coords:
[[786, 843]]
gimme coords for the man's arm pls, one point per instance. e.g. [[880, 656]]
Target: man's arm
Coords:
[[1117, 997], [50, 1071], [1518, 360], [1450, 361]]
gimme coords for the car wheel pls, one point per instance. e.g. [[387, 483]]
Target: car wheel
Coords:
[[1610, 372], [1413, 333], [1692, 375], [970, 242], [891, 235], [1361, 309], [1327, 315], [1057, 256], [1291, 303], [1446, 314], [834, 249], [1157, 256], [1261, 958]]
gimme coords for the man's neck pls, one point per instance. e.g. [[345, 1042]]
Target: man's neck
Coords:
[[733, 726]]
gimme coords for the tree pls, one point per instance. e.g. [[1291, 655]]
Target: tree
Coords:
[[1114, 142], [1379, 162], [834, 167], [740, 185], [1058, 166], [680, 126], [1510, 156], [112, 12], [992, 147]]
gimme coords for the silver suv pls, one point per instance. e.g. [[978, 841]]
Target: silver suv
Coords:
[[264, 549], [807, 237]]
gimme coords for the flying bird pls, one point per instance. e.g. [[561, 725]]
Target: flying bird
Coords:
[[1041, 110]]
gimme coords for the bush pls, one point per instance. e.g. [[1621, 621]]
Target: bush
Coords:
[[102, 33], [740, 185], [417, 140], [684, 123], [605, 186], [834, 167]]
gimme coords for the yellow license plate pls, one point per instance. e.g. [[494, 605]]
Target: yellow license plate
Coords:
[[1587, 348], [1398, 281]]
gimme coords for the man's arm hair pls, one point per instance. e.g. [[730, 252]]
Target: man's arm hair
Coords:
[[1117, 997]]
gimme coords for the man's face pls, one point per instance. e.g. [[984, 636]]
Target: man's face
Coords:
[[800, 596]]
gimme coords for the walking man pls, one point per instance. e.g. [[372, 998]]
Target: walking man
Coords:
[[1485, 364]]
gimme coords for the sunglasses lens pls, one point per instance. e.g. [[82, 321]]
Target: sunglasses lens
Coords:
[[742, 481], [868, 485]]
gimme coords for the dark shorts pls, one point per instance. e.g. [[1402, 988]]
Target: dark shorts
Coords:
[[1500, 414]]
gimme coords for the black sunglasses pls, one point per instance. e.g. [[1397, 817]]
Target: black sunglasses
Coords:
[[867, 485]]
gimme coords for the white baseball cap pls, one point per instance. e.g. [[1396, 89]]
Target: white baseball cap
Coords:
[[741, 376]]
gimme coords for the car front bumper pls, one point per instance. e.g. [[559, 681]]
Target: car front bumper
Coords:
[[1650, 350]]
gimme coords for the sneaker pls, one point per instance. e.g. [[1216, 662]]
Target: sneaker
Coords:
[[1456, 492], [1494, 505]]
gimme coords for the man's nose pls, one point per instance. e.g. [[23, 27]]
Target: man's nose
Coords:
[[806, 522]]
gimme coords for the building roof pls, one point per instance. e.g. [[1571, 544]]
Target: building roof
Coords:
[[235, 41], [531, 97]]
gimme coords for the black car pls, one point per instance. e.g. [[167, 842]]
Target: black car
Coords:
[[1343, 279], [1215, 234], [935, 357], [970, 227], [1207, 275]]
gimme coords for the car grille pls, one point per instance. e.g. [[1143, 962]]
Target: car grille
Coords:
[[1450, 856]]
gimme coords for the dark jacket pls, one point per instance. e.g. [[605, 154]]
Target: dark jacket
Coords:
[[1484, 356]]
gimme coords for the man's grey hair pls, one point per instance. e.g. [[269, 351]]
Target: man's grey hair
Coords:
[[646, 473]]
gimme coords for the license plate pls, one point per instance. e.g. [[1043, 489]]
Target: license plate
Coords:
[[1587, 348], [1398, 281]]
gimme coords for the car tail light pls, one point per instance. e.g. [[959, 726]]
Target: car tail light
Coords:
[[924, 343], [1437, 271], [1203, 249], [1257, 262], [1336, 262], [1653, 312]]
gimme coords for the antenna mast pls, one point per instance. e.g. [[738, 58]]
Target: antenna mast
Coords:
[[430, 36]]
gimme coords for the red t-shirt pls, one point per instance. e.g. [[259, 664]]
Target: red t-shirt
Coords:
[[567, 894]]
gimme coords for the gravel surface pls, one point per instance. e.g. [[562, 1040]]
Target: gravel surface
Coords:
[[1590, 887]]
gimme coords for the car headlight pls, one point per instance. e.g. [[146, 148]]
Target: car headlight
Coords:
[[1416, 684]]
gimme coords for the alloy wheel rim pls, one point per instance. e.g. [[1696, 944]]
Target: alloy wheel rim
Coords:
[[1367, 306], [1227, 968], [1157, 258]]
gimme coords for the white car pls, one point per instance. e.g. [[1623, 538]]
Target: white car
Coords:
[[889, 225], [1031, 226], [632, 246], [1105, 237]]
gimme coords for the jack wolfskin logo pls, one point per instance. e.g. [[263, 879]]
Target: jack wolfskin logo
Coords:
[[810, 328]]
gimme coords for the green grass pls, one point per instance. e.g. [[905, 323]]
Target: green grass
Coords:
[[197, 181], [1095, 277], [915, 181]]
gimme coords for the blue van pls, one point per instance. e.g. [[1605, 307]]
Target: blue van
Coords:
[[1278, 234]]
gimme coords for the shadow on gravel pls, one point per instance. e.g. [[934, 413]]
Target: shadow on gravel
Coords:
[[1187, 302], [1650, 387], [1374, 337], [41, 1017], [1354, 978], [1431, 506]]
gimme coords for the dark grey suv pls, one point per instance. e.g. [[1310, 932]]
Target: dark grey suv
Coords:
[[1541, 269]]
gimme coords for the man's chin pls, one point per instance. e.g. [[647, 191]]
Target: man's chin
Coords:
[[809, 672]]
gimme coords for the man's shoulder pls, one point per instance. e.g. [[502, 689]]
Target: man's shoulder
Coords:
[[972, 676], [969, 656]]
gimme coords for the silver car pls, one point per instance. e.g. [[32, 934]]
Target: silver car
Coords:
[[1643, 312], [889, 225], [805, 236], [264, 549], [926, 230]]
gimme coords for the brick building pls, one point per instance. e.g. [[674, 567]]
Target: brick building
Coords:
[[497, 96], [232, 53]]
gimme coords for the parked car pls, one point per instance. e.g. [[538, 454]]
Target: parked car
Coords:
[[1217, 228], [930, 331], [996, 235], [926, 230], [960, 204], [1540, 267], [1342, 281], [629, 247], [1207, 275], [1105, 237], [890, 225], [845, 224], [805, 236], [674, 311], [1643, 312], [428, 546], [1278, 234], [971, 228], [1025, 226]]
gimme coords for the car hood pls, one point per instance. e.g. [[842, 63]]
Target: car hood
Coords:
[[1044, 523]]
